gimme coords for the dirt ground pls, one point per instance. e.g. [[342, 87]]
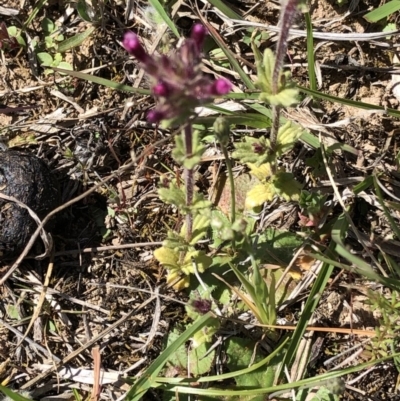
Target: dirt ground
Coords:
[[102, 287]]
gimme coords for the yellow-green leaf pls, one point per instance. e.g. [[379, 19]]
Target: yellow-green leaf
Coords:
[[259, 194], [260, 172], [202, 261], [167, 257]]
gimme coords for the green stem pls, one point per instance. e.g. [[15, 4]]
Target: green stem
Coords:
[[232, 185], [189, 179], [276, 111]]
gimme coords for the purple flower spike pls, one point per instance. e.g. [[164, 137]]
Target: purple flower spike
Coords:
[[154, 116], [133, 46], [220, 87], [198, 35], [161, 89]]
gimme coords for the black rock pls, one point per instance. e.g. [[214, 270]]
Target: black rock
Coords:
[[28, 179]]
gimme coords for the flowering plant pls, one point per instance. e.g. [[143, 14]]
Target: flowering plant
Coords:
[[179, 86]]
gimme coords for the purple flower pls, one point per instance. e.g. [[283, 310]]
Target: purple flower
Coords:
[[177, 81], [133, 46], [220, 87]]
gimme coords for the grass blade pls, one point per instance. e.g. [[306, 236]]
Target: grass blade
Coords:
[[383, 11], [103, 81], [75, 40], [160, 9], [147, 379]]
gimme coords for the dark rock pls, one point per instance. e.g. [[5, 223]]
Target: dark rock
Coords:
[[28, 179]]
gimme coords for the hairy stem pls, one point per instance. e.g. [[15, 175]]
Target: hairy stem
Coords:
[[276, 111], [232, 185], [189, 180], [288, 14]]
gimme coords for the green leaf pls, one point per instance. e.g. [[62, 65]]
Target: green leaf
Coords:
[[65, 66], [13, 312], [242, 353], [286, 186], [276, 246], [176, 241], [288, 135], [44, 59], [48, 26], [82, 9], [285, 98], [200, 359], [197, 258], [253, 150], [383, 11], [179, 152], [259, 194], [167, 257], [201, 224], [147, 379], [179, 358], [103, 81], [75, 40], [287, 92], [173, 195]]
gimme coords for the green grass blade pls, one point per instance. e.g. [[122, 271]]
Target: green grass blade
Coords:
[[34, 12], [383, 11], [310, 53], [260, 313], [222, 6], [13, 395], [348, 102], [300, 384], [249, 119], [75, 40], [393, 224], [232, 59], [161, 11], [225, 376], [102, 81], [146, 381], [309, 308], [339, 231]]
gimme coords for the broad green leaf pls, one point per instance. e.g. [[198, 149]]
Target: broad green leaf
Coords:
[[205, 335], [200, 360], [82, 7], [48, 26], [13, 312], [201, 224], [242, 353], [175, 241], [44, 59], [172, 195]]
